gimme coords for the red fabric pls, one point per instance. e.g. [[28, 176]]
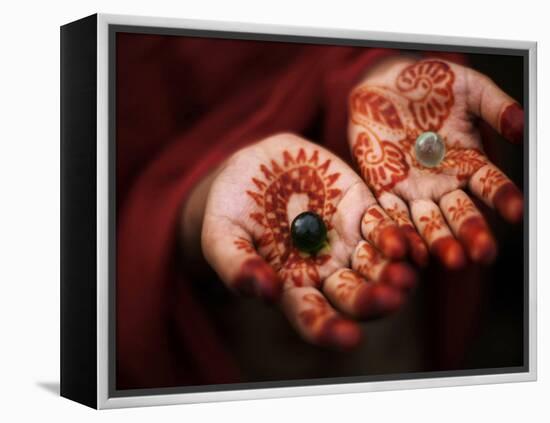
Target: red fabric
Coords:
[[183, 105]]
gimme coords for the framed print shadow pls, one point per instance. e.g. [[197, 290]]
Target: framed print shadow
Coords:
[[254, 211]]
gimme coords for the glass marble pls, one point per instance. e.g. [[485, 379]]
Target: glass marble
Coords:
[[309, 232], [429, 149]]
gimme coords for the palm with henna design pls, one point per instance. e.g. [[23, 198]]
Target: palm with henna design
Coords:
[[400, 101], [246, 239]]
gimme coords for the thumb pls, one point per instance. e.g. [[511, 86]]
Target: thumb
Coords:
[[486, 100]]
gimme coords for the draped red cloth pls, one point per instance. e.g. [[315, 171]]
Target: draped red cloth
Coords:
[[182, 106]]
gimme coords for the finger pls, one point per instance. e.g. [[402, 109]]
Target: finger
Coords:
[[230, 252], [399, 212], [378, 228], [316, 321], [494, 188], [369, 263], [488, 101], [469, 226], [353, 295], [432, 227]]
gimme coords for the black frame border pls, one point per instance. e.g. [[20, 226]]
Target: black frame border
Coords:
[[78, 211]]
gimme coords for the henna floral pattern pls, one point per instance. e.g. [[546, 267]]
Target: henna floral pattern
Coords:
[[463, 161], [244, 245], [400, 216], [388, 120], [368, 258], [279, 181], [433, 223], [375, 221], [318, 312], [461, 208], [429, 87], [375, 107], [349, 280], [458, 161], [382, 164], [492, 179]]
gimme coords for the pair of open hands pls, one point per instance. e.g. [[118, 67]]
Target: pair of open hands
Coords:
[[395, 208]]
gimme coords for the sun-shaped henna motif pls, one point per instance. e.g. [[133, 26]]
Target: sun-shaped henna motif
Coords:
[[434, 222], [293, 175], [461, 208], [492, 179], [429, 87], [399, 215]]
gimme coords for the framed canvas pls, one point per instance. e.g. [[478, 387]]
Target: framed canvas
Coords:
[[254, 211]]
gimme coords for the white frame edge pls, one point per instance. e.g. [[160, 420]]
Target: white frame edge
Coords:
[[103, 400]]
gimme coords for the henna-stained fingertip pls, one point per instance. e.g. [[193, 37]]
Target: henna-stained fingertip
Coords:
[[393, 243], [257, 278], [399, 275], [417, 248], [508, 200], [340, 334], [374, 301], [512, 123], [450, 252], [479, 242]]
